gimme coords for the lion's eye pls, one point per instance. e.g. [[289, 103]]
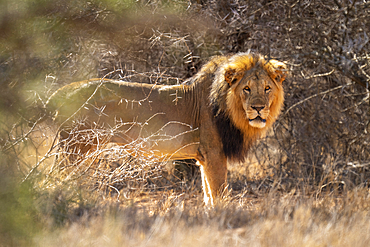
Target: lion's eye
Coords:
[[247, 89], [267, 88]]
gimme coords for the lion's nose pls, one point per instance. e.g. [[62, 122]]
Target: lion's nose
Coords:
[[258, 108]]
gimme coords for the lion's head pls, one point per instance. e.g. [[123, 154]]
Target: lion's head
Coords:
[[247, 96]]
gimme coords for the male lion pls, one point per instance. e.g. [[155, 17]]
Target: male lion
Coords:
[[215, 116]]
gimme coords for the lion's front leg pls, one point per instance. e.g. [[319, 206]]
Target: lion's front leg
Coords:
[[214, 179]]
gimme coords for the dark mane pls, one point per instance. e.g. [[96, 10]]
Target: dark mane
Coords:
[[232, 138]]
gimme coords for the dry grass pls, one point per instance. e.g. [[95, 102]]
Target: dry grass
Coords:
[[169, 211], [173, 219]]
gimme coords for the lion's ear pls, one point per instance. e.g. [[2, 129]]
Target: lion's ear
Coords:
[[280, 70], [232, 76]]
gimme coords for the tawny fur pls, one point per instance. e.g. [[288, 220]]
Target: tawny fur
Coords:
[[216, 109]]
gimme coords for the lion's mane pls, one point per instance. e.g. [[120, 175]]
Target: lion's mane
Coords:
[[235, 132]]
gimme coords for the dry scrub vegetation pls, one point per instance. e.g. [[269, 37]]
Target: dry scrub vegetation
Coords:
[[305, 184]]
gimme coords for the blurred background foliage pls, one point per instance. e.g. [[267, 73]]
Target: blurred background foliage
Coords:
[[321, 141]]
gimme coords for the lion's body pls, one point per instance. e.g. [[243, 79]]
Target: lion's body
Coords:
[[133, 111], [211, 118]]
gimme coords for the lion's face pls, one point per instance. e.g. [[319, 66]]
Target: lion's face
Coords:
[[255, 96], [256, 92]]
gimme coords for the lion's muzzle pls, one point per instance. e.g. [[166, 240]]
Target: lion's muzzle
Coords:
[[257, 116], [257, 122]]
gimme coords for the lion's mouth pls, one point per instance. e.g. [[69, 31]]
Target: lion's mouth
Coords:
[[257, 122], [258, 119]]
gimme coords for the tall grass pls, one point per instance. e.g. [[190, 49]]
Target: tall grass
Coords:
[[171, 219]]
